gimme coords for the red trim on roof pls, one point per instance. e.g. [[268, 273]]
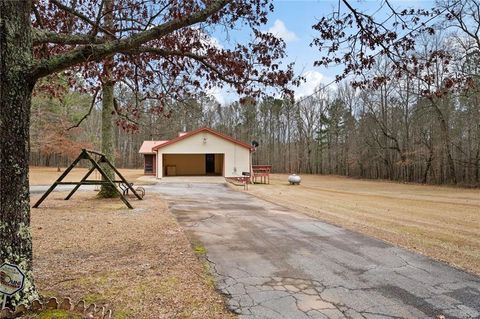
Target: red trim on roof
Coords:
[[203, 129]]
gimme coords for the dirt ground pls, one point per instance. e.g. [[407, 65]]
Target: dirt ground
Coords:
[[441, 222], [48, 175], [137, 262]]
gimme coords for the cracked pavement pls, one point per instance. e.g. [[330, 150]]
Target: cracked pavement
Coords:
[[273, 262]]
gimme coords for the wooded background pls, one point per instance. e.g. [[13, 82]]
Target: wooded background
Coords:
[[390, 132]]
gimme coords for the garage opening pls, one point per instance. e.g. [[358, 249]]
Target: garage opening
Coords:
[[193, 164]]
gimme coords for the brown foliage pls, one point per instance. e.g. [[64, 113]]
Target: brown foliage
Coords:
[[160, 49], [54, 138], [357, 40]]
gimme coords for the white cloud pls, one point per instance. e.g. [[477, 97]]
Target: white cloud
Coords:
[[211, 41], [206, 40], [217, 93], [224, 96], [312, 80], [280, 30]]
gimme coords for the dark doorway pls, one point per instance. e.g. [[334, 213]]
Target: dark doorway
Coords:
[[210, 163], [149, 164]]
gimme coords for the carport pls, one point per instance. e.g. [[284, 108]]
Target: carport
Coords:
[[203, 152], [193, 164]]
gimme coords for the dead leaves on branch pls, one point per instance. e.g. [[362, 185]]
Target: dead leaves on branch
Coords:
[[183, 61], [409, 39]]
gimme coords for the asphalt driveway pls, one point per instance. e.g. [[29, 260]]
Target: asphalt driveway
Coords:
[[273, 262]]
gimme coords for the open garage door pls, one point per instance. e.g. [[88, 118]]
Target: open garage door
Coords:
[[193, 164]]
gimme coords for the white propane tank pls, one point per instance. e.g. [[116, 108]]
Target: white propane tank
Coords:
[[294, 179]]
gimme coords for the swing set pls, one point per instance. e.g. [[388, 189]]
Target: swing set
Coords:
[[96, 158]]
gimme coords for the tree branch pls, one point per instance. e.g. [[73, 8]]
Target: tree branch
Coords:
[[121, 114], [81, 16], [38, 17], [99, 18], [199, 58], [89, 111], [43, 36], [96, 52]]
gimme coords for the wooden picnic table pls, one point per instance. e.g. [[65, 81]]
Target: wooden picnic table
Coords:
[[262, 172]]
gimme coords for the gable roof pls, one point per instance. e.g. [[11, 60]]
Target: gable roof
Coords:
[[200, 130], [147, 146]]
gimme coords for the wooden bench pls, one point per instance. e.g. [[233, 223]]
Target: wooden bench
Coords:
[[239, 181]]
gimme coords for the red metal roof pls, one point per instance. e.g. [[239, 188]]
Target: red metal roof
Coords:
[[147, 146], [200, 130]]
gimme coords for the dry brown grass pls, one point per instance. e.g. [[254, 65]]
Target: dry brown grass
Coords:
[[441, 222], [48, 175], [138, 262]]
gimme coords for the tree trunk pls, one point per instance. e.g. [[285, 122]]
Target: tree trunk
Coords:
[[108, 140], [15, 100], [444, 129], [477, 167], [429, 165]]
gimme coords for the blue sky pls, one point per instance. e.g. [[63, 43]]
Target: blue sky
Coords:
[[292, 20]]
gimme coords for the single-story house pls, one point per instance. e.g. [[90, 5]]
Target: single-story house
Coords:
[[201, 152]]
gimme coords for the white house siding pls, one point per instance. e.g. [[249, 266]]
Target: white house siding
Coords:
[[236, 157]]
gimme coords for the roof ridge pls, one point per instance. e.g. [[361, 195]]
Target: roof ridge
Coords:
[[194, 132]]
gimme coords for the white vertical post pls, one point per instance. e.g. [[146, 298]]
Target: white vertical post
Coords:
[[4, 301], [159, 164]]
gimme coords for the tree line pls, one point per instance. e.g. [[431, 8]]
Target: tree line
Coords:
[[391, 132], [410, 114]]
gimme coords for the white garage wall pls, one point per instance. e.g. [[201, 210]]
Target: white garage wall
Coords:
[[236, 161]]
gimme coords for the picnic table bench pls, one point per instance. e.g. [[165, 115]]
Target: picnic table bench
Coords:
[[261, 172], [124, 187]]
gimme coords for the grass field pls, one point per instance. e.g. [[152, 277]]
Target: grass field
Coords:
[[438, 221], [139, 262], [48, 175], [441, 222]]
